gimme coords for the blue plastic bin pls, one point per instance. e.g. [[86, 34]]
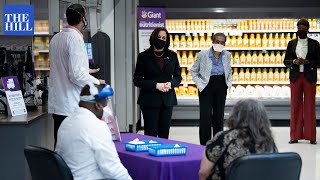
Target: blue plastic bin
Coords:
[[141, 147], [168, 150]]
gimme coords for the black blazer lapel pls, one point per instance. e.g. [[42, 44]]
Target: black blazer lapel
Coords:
[[294, 47]]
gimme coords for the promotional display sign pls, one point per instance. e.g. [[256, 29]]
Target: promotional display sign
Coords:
[[149, 18], [18, 20], [16, 105]]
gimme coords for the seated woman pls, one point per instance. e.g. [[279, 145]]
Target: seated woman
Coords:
[[249, 132]]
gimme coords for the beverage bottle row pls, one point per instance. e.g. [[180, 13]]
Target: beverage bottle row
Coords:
[[190, 90], [189, 42], [260, 76], [237, 24], [271, 41], [246, 58], [187, 59], [186, 76]]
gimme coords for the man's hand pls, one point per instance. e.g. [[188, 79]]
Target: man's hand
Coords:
[[305, 61], [298, 61], [92, 71]]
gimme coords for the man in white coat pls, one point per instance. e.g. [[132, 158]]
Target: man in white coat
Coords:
[[85, 141], [69, 67]]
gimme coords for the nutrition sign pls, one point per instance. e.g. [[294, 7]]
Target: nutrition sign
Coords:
[[18, 20]]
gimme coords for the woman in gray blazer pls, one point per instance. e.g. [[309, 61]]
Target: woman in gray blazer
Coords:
[[212, 74]]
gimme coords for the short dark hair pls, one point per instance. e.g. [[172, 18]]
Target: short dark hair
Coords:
[[219, 34], [86, 90], [74, 14], [303, 22], [154, 36]]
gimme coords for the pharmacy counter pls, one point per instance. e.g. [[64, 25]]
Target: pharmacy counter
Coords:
[[36, 128]]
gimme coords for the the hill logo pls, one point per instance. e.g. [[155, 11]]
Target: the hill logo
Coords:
[[18, 20]]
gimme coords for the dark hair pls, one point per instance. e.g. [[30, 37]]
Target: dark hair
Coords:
[[250, 118], [154, 36], [86, 90], [303, 22], [218, 34], [74, 14]]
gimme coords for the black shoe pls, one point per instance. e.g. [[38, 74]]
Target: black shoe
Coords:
[[293, 141], [313, 142]]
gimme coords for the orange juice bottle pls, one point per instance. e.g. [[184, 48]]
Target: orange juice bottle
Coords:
[[242, 58], [189, 77], [190, 58], [241, 75], [179, 57], [272, 58], [283, 56], [287, 75], [276, 76], [270, 75], [264, 75], [233, 41], [282, 75], [258, 41], [253, 76], [279, 58], [209, 41], [184, 58], [245, 41], [247, 75], [259, 75], [176, 42], [196, 41], [254, 58], [249, 58], [288, 38], [235, 76], [236, 58], [239, 42], [276, 41], [260, 58], [189, 42], [176, 89], [264, 41], [270, 41], [202, 42], [183, 75], [171, 40], [184, 25], [203, 25], [228, 42], [266, 59], [192, 28], [183, 42], [188, 26], [252, 42], [282, 41]]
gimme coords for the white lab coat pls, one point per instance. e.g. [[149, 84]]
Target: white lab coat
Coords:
[[85, 143], [69, 71]]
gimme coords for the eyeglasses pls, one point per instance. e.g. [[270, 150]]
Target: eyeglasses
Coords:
[[219, 42]]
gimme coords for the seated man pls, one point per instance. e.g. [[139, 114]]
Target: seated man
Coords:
[[85, 142]]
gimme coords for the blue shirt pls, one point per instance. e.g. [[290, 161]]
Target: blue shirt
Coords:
[[217, 66]]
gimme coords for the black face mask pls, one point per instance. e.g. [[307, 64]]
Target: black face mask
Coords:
[[159, 44], [302, 34]]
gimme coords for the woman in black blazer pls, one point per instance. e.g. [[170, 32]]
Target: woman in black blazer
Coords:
[[157, 73], [303, 58]]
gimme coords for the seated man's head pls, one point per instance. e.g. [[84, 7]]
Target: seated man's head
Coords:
[[95, 98]]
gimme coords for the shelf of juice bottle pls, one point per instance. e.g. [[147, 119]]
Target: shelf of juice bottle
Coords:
[[41, 51], [260, 83], [258, 65], [239, 32], [42, 69], [41, 33], [235, 49]]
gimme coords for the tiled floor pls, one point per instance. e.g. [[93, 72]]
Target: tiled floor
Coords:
[[310, 154]]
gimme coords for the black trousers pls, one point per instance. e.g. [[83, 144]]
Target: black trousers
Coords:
[[212, 102], [57, 122], [157, 120]]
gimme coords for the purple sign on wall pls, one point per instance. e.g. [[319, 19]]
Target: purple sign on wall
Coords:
[[11, 83], [151, 18]]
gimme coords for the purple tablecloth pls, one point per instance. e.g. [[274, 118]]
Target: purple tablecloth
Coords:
[[142, 166]]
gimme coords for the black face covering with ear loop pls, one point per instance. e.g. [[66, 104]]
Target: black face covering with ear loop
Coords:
[[85, 22]]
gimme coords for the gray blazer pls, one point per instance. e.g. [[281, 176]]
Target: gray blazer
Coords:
[[201, 69]]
